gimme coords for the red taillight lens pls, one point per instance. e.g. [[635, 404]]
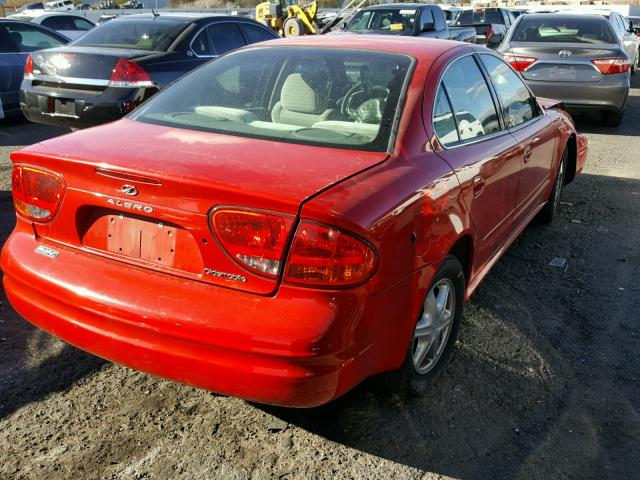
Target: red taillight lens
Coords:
[[254, 239], [28, 68], [326, 256], [129, 74], [519, 63], [608, 66], [37, 194]]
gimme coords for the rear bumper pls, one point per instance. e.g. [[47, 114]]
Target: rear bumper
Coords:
[[300, 347], [90, 108], [610, 93]]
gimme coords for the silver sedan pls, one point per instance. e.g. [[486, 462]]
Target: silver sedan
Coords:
[[574, 58]]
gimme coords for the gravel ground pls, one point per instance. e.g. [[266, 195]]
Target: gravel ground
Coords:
[[544, 383]]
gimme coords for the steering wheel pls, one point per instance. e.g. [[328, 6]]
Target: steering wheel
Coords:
[[349, 109]]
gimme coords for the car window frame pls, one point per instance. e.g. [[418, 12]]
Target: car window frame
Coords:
[[502, 113], [210, 41], [460, 143]]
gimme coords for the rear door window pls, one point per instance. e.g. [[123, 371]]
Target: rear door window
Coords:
[[473, 107], [517, 103], [225, 37], [255, 34], [29, 38]]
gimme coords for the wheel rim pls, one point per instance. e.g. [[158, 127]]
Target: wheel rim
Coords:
[[559, 182], [434, 326]]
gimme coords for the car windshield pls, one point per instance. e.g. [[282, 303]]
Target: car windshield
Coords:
[[569, 29], [388, 20], [140, 34], [317, 96]]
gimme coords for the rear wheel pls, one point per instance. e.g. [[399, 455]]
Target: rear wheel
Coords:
[[434, 334], [293, 27], [550, 210], [613, 118]]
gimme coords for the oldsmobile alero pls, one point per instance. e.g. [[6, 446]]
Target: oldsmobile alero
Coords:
[[290, 219]]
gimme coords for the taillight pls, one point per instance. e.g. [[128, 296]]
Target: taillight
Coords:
[[129, 74], [37, 194], [28, 68], [325, 256], [608, 66], [519, 63], [254, 239]]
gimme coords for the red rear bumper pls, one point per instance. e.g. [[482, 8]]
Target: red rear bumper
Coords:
[[300, 347]]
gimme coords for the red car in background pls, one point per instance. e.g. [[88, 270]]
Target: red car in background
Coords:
[[290, 219]]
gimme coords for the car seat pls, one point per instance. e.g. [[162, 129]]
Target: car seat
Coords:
[[304, 100]]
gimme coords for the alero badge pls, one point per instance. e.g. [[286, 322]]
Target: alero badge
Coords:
[[129, 205]]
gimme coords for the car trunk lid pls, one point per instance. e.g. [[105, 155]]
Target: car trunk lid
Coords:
[[142, 193], [81, 68], [563, 62]]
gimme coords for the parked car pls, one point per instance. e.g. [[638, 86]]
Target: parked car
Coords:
[[409, 19], [490, 24], [574, 58], [292, 218], [61, 5], [623, 30], [113, 68], [70, 25], [17, 40]]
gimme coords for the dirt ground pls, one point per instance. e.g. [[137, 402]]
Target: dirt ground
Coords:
[[545, 382]]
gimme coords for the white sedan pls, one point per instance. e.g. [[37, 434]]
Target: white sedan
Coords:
[[68, 24]]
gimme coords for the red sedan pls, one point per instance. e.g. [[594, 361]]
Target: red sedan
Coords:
[[290, 219]]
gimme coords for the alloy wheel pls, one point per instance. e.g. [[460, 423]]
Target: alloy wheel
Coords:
[[434, 325]]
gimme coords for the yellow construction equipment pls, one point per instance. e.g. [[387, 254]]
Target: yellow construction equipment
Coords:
[[289, 18]]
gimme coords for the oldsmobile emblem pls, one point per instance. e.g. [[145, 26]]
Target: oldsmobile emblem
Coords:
[[225, 275], [129, 190], [130, 205], [565, 53]]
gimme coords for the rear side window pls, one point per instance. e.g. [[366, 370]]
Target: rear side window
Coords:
[[570, 29], [29, 38], [255, 34], [139, 34], [443, 121], [225, 37], [473, 106], [514, 96]]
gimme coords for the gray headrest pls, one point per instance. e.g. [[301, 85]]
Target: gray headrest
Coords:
[[298, 96]]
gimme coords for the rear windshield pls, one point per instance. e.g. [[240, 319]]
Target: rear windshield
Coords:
[[569, 29], [316, 96], [139, 34], [488, 15], [392, 20]]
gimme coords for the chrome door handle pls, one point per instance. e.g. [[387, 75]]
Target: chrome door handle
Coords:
[[527, 153]]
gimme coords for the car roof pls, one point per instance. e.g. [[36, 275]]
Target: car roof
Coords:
[[396, 6], [419, 47], [591, 12], [177, 16]]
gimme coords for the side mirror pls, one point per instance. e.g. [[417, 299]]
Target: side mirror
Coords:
[[428, 27]]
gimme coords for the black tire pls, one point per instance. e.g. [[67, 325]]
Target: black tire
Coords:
[[407, 380], [550, 210], [293, 27], [613, 119]]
